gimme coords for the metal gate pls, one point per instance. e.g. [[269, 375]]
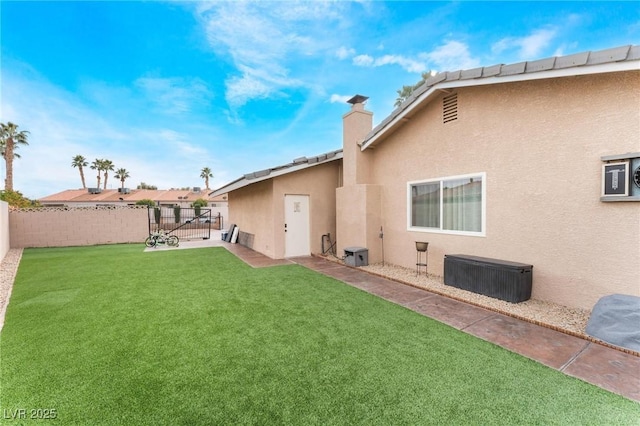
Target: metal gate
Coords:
[[187, 223]]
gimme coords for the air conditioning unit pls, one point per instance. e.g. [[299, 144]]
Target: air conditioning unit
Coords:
[[94, 190], [124, 190], [196, 189]]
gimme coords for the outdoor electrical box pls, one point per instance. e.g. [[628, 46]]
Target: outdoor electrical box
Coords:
[[356, 256]]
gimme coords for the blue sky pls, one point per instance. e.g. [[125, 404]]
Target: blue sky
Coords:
[[164, 89]]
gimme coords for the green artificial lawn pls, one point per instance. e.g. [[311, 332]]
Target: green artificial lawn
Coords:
[[112, 335]]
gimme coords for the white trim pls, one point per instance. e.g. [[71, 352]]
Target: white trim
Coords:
[[440, 230]]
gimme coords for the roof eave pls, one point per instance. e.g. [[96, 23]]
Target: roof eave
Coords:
[[278, 171], [377, 135]]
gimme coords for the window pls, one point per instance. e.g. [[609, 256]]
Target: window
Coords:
[[453, 205]]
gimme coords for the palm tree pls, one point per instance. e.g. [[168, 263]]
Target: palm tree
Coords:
[[122, 174], [97, 165], [107, 165], [10, 140], [205, 174], [79, 161]]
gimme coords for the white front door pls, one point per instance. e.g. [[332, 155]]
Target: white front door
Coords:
[[296, 225]]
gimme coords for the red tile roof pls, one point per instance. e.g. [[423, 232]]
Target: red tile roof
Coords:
[[134, 195]]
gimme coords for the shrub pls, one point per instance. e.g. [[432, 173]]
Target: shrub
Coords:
[[16, 199], [198, 204], [146, 202]]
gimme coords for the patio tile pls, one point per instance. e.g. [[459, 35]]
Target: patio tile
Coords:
[[608, 368], [542, 344], [252, 257], [403, 294], [448, 311]]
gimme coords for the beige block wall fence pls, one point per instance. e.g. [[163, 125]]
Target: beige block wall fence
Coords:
[[82, 226]]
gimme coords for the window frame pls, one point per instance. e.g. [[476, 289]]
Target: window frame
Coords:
[[440, 229]]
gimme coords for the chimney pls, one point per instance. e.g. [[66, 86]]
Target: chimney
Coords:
[[356, 124]]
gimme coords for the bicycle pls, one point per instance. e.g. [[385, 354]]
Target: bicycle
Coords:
[[161, 237]]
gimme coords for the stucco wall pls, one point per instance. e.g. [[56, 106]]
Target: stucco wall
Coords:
[[259, 208], [319, 183], [251, 208], [540, 144], [359, 210], [59, 227], [4, 229]]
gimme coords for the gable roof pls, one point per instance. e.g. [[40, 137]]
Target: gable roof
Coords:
[[623, 58], [260, 175]]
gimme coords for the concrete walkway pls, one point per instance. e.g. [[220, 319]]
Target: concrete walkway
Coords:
[[608, 368]]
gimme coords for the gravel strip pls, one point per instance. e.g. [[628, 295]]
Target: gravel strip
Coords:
[[8, 270], [562, 318]]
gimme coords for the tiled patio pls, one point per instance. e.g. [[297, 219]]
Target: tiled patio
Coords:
[[608, 368]]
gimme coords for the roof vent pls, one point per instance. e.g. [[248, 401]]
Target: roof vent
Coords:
[[450, 108]]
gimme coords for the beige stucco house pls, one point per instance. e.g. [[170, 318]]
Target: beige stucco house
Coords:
[[284, 211], [531, 162]]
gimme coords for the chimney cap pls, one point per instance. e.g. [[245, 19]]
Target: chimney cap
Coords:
[[357, 99]]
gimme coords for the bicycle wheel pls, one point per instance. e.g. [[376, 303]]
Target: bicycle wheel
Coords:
[[173, 240], [150, 242]]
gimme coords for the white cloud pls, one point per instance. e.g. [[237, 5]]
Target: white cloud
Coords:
[[532, 45], [174, 95], [256, 83], [335, 98], [270, 37], [451, 56], [345, 52], [364, 61], [408, 64], [243, 88], [411, 65], [527, 47]]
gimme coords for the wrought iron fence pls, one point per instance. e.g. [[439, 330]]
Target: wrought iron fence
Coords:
[[187, 223]]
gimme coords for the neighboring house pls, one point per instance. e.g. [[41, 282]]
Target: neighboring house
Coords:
[[531, 162], [284, 211], [123, 197]]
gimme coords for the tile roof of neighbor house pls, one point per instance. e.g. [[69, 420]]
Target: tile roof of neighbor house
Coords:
[[260, 175], [593, 62], [134, 195]]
